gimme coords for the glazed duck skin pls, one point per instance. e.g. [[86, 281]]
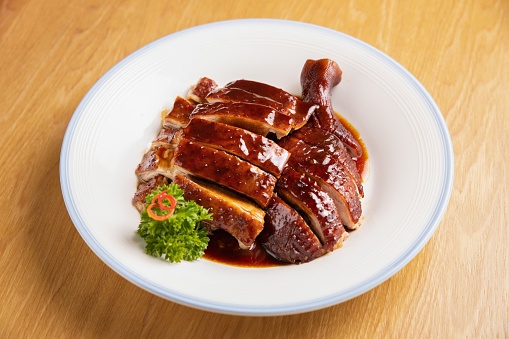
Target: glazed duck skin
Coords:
[[330, 174], [144, 189], [230, 212], [165, 138], [300, 110], [254, 148], [240, 95], [155, 162], [286, 236], [224, 169], [306, 196], [331, 144], [258, 119], [180, 114], [318, 78]]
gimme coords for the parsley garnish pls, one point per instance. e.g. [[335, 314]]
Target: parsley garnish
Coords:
[[180, 237]]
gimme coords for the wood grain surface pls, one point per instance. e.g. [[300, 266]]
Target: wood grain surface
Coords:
[[52, 285]]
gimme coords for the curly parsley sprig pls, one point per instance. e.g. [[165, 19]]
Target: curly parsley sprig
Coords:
[[178, 236]]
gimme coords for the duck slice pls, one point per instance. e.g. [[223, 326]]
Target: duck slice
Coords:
[[256, 118], [240, 95], [300, 110], [167, 138], [315, 205], [333, 146], [330, 174], [224, 169], [230, 212], [286, 236], [180, 114], [199, 91], [318, 78], [254, 148], [144, 188], [155, 162]]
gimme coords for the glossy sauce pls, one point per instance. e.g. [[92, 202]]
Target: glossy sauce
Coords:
[[224, 248], [362, 161]]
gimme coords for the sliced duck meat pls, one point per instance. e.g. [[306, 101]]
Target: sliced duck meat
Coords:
[[279, 173], [224, 169], [333, 146], [155, 162], [258, 119], [315, 205], [300, 110], [318, 78], [230, 212], [165, 138], [240, 95], [144, 189], [286, 236], [199, 91], [254, 148], [180, 114], [330, 174]]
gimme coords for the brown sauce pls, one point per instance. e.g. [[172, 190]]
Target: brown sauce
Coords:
[[363, 159], [224, 248]]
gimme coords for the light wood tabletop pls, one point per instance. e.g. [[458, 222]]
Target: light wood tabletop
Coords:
[[53, 285]]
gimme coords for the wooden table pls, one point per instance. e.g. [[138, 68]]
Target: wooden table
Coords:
[[52, 285]]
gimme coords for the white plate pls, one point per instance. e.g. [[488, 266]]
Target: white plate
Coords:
[[410, 156]]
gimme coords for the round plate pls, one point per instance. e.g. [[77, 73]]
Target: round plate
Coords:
[[407, 191]]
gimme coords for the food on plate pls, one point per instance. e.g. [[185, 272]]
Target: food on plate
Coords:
[[254, 148], [315, 206], [171, 226], [225, 169], [327, 171], [318, 78], [256, 118], [276, 172], [283, 222], [232, 213]]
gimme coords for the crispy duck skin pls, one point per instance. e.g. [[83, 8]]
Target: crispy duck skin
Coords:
[[230, 212], [144, 188], [258, 119], [199, 91], [166, 138], [300, 110], [224, 169], [286, 236], [254, 148], [331, 143], [180, 114], [316, 206], [155, 162], [330, 174], [318, 78], [240, 95]]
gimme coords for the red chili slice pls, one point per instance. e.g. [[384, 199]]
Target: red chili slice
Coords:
[[158, 201], [156, 197], [155, 216], [172, 200]]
